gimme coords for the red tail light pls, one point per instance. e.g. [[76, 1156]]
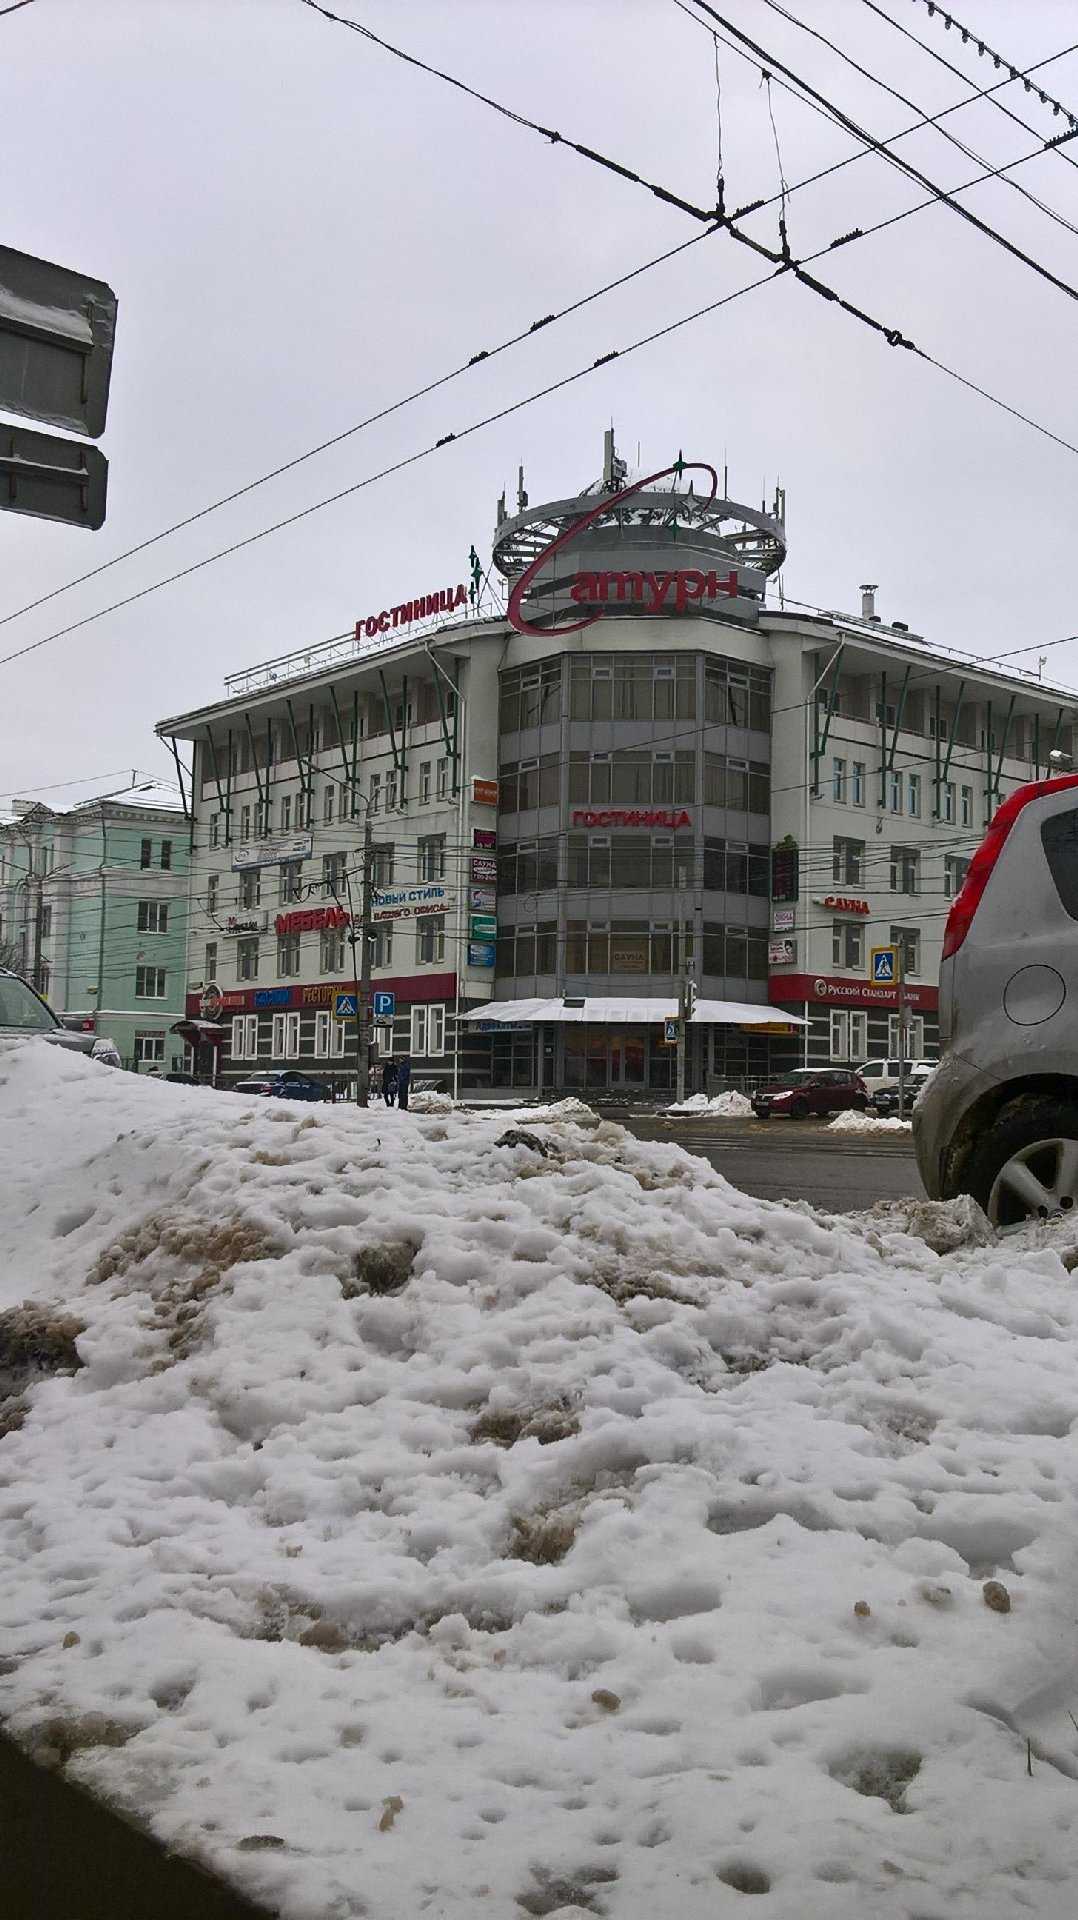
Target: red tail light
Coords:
[[968, 898]]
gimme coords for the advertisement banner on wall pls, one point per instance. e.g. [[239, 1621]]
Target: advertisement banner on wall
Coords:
[[482, 899], [483, 926], [483, 869], [408, 903], [484, 837], [781, 953], [270, 853], [480, 953], [782, 919], [484, 793]]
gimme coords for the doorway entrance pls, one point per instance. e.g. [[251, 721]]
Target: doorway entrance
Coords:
[[616, 1059]]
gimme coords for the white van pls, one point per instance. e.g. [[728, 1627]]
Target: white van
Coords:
[[880, 1076]]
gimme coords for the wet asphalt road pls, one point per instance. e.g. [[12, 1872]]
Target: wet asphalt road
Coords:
[[795, 1160]]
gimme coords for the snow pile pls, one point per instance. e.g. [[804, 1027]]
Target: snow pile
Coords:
[[723, 1106], [430, 1102], [450, 1515], [853, 1122]]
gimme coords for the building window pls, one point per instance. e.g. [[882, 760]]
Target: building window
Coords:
[[895, 792], [245, 1037], [382, 864], [847, 943], [848, 861], [424, 783], [908, 942], [382, 945], [955, 869], [262, 819], [329, 1036], [332, 873], [442, 785], [858, 783], [152, 917], [149, 1049], [948, 800], [967, 806], [250, 888], [286, 813], [212, 884], [431, 857], [838, 781], [849, 1036], [290, 881], [245, 823], [150, 983], [332, 955], [327, 805], [913, 795], [46, 921], [288, 954], [284, 1043], [840, 1035], [375, 801], [247, 959], [321, 1035], [529, 695], [215, 829], [166, 854], [915, 1036], [383, 1037], [428, 1031], [391, 790], [432, 939], [44, 977], [146, 854], [209, 972], [905, 864]]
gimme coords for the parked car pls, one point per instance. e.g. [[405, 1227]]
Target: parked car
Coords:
[[883, 1090], [881, 1075], [811, 1092], [24, 1012], [999, 1117], [284, 1085]]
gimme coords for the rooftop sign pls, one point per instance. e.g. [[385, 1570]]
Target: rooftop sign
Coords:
[[446, 600]]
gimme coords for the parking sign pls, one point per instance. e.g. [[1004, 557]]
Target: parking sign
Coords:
[[385, 1006], [883, 966]]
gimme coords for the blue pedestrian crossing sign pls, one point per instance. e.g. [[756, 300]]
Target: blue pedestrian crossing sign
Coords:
[[345, 1006], [385, 1006], [883, 966]]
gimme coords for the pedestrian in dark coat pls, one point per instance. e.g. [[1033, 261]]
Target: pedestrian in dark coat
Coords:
[[389, 1082], [404, 1079]]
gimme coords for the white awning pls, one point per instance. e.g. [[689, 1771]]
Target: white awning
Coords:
[[618, 1011]]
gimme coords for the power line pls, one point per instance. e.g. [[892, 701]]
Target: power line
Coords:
[[1054, 145], [945, 132], [14, 7], [360, 426], [983, 50], [893, 159]]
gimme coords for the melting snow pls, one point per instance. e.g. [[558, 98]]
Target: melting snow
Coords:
[[726, 1106], [468, 1513]]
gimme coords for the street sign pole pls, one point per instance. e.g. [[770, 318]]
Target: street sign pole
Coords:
[[363, 984], [900, 983]]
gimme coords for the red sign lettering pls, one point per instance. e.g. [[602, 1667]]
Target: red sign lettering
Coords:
[[838, 903], [785, 988], [311, 919], [423, 607], [672, 817]]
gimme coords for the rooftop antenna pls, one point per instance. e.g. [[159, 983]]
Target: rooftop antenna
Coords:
[[522, 498], [725, 477], [615, 471], [502, 514], [1042, 662]]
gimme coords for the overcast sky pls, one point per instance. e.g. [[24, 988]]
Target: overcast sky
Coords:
[[301, 229]]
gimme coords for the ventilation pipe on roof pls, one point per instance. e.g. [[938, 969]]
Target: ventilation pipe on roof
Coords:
[[868, 603]]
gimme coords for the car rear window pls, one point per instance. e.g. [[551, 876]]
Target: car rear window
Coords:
[[1059, 838], [20, 1007]]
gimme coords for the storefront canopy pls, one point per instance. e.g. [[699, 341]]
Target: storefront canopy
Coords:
[[199, 1031], [617, 1010]]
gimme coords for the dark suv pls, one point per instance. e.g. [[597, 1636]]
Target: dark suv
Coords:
[[283, 1084], [811, 1092]]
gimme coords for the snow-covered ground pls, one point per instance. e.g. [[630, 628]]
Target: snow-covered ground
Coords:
[[722, 1106], [851, 1122], [469, 1514]]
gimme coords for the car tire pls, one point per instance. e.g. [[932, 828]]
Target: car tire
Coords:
[[1040, 1135], [860, 1105], [799, 1110]]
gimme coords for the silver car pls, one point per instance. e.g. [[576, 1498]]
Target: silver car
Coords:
[[23, 1012], [999, 1117]]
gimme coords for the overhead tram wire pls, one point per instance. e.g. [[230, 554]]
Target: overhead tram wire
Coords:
[[880, 147], [983, 49], [418, 393], [945, 132], [892, 335], [851, 159], [1053, 145], [524, 334]]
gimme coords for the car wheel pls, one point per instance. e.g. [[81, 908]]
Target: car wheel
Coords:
[[799, 1110], [860, 1105], [1026, 1167]]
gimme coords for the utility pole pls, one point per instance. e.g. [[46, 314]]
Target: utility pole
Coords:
[[363, 984], [686, 1006], [900, 982]]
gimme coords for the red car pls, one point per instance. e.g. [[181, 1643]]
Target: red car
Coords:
[[811, 1092]]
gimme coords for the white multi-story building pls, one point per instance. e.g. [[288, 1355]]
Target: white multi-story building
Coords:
[[639, 769]]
